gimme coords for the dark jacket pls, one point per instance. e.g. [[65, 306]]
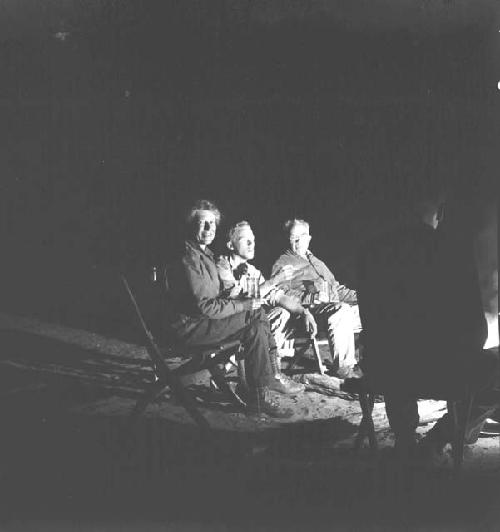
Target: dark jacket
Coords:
[[421, 310], [196, 290]]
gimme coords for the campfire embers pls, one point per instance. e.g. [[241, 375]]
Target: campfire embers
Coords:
[[490, 305], [486, 249], [492, 340]]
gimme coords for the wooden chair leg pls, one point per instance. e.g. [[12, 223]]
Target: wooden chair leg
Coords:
[[242, 374], [315, 348], [366, 426], [299, 351], [460, 412], [372, 439], [154, 391], [221, 383], [311, 343]]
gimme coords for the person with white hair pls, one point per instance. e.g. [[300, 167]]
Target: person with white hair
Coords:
[[235, 270], [313, 283]]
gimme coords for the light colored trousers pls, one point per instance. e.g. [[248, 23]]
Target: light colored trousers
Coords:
[[342, 324]]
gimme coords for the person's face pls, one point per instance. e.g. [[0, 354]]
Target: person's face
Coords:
[[243, 243], [205, 228], [299, 239]]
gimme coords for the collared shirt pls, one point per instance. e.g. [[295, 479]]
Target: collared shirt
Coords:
[[198, 290], [308, 270], [232, 276]]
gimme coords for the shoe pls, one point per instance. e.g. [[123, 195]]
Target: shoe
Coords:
[[433, 453], [283, 384], [298, 387], [261, 402], [242, 391], [353, 372]]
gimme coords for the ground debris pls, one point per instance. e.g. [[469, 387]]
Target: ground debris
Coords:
[[323, 384]]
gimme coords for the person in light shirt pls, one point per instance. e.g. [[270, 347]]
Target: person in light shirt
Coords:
[[238, 274], [314, 284]]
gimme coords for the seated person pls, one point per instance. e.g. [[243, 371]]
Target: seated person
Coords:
[[424, 326], [338, 304], [235, 271], [207, 317]]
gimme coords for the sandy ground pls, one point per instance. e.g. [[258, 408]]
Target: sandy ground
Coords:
[[66, 398], [120, 370]]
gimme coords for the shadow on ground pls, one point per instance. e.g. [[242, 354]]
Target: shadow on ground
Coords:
[[59, 466]]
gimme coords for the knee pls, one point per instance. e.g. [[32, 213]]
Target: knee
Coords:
[[284, 314], [342, 314], [280, 318], [257, 315], [259, 326]]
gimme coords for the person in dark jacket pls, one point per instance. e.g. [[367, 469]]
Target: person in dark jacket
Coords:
[[205, 316], [424, 326]]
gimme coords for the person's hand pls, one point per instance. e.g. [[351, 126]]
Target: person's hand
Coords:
[[235, 291], [310, 323], [257, 303], [285, 274], [323, 297]]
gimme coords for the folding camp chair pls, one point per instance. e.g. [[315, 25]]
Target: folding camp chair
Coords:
[[459, 408], [303, 341], [197, 359], [301, 344]]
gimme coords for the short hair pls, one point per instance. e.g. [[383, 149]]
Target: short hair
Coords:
[[203, 205], [290, 224], [235, 228]]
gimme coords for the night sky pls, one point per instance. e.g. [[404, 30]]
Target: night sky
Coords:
[[116, 115]]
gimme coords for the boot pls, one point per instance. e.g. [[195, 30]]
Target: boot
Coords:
[[347, 372], [273, 358], [260, 402], [281, 383]]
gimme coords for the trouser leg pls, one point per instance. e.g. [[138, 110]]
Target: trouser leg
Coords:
[[402, 413], [278, 318], [258, 341], [340, 326], [252, 329]]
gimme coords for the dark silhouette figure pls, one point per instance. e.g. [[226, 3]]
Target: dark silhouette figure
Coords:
[[424, 326]]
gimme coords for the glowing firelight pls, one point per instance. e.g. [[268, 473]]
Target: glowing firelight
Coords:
[[492, 340]]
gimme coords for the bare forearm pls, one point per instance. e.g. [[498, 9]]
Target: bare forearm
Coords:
[[291, 304], [266, 287]]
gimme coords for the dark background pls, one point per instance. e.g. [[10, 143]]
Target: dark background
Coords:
[[117, 114]]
